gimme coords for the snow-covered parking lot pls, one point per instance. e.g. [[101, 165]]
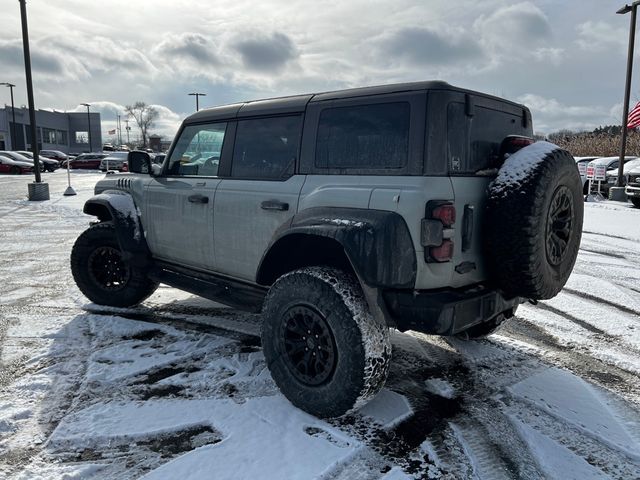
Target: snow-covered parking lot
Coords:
[[177, 388]]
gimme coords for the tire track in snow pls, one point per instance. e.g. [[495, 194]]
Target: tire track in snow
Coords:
[[571, 318], [612, 462], [601, 300], [519, 331]]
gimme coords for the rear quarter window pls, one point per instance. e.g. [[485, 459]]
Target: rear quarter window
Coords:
[[360, 137], [473, 142]]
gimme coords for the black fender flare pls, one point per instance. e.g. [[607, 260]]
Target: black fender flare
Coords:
[[119, 207], [377, 243]]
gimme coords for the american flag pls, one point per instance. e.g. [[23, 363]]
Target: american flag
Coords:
[[633, 120], [112, 132]]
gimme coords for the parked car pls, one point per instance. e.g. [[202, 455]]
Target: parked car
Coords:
[[612, 175], [49, 164], [89, 161], [331, 215], [55, 154], [581, 163], [633, 183], [114, 161], [15, 167], [610, 163], [21, 158]]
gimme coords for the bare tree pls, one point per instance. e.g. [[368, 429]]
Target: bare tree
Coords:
[[144, 116]]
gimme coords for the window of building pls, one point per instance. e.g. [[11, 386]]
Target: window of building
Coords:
[[364, 137], [82, 137], [198, 150], [266, 147], [49, 136], [61, 137]]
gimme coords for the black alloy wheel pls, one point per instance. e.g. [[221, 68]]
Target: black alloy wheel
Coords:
[[107, 269], [559, 225], [310, 349]]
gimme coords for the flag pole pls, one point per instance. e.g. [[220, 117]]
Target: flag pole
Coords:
[[618, 192]]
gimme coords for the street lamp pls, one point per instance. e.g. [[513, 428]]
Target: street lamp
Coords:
[[198, 95], [89, 122], [617, 192], [127, 128], [13, 114], [37, 190]]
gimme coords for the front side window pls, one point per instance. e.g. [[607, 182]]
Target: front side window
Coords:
[[266, 147], [198, 150], [372, 136]]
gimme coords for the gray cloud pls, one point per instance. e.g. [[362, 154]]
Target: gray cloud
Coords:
[[425, 46], [45, 61], [522, 24], [188, 46], [268, 53]]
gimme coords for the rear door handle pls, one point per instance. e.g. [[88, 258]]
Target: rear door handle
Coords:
[[198, 199], [274, 205]]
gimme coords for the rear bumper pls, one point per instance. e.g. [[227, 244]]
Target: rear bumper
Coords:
[[446, 311]]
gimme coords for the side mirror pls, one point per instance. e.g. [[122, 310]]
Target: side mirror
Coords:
[[139, 162]]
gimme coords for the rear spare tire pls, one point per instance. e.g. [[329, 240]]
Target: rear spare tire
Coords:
[[534, 222], [324, 349]]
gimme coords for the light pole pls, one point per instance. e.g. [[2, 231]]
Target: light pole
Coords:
[[119, 126], [89, 122], [37, 190], [127, 128], [617, 192], [198, 95], [13, 114]]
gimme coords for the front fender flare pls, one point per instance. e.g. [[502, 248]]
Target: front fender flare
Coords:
[[119, 207]]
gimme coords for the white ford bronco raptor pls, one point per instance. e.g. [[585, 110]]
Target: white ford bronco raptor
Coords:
[[419, 206]]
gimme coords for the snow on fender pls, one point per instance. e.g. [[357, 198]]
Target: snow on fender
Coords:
[[534, 222]]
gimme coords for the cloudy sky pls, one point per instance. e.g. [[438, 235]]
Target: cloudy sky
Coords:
[[565, 59]]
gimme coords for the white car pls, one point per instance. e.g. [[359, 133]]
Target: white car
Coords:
[[114, 161], [611, 165]]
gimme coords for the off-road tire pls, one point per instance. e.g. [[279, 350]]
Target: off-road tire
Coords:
[[15, 170], [534, 222], [89, 266], [635, 201], [332, 299]]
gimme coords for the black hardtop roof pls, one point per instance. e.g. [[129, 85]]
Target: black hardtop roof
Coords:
[[298, 103]]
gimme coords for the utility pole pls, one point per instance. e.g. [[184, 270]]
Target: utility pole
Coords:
[[127, 128], [36, 190], [89, 122], [13, 115], [198, 95], [617, 192], [119, 130]]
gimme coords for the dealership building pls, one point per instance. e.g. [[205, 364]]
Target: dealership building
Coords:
[[67, 132]]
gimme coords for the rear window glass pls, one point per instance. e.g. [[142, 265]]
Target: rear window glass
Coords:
[[473, 143], [364, 137], [266, 147]]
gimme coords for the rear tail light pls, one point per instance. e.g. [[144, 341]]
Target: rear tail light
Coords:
[[446, 213], [437, 231], [442, 253]]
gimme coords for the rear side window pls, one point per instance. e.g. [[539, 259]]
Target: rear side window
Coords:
[[266, 147], [473, 143], [364, 137]]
